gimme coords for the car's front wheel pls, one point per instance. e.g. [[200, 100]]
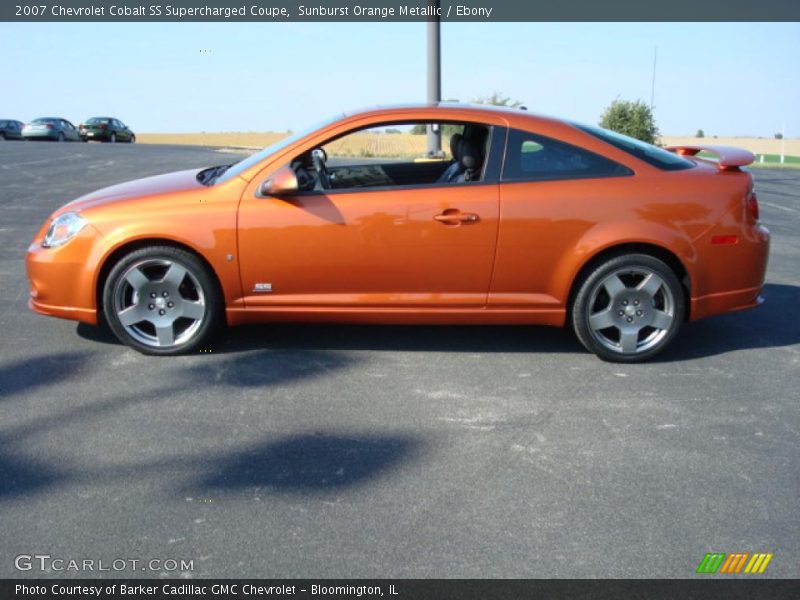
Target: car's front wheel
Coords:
[[162, 300], [628, 308]]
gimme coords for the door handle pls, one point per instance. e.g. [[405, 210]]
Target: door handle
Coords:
[[453, 216]]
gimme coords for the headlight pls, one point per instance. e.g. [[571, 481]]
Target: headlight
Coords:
[[63, 229]]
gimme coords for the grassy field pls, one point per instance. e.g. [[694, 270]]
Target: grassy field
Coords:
[[406, 145], [383, 145]]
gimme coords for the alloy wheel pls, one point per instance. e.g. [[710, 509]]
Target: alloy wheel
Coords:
[[160, 303], [630, 310]]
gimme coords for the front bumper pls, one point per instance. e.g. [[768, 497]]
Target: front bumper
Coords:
[[62, 280]]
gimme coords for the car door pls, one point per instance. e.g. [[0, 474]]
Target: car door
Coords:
[[376, 248], [403, 246], [69, 130]]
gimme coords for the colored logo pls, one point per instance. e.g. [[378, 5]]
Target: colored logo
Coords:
[[738, 562]]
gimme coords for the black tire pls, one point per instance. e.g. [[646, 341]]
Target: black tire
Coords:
[[61, 137], [616, 293], [2, 137], [198, 290], [132, 139], [112, 139]]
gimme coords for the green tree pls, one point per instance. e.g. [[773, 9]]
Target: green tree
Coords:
[[778, 136], [700, 133], [497, 99], [634, 119]]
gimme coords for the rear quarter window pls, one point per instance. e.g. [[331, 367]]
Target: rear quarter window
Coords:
[[531, 157]]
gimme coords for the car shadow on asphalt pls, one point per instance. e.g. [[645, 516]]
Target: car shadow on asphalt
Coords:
[[20, 474], [411, 338], [769, 325], [308, 463], [30, 373], [303, 462]]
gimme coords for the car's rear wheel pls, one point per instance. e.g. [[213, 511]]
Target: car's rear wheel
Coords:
[[2, 137], [629, 308], [61, 137], [162, 300], [113, 138]]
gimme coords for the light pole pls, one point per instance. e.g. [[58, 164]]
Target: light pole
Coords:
[[434, 79]]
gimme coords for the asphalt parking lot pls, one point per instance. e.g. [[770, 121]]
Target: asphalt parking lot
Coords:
[[332, 451]]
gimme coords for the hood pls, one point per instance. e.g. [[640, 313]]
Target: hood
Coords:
[[149, 186]]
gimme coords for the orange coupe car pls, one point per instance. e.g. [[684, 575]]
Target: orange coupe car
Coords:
[[528, 220]]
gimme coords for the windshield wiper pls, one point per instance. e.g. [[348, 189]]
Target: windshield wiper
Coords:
[[207, 176]]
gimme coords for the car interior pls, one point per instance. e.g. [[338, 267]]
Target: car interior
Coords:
[[318, 172]]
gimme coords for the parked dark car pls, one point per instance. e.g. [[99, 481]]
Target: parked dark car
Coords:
[[106, 129], [10, 129], [51, 128]]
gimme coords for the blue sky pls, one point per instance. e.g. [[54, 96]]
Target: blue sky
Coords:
[[726, 78]]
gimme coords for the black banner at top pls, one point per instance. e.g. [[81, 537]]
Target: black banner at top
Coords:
[[398, 10]]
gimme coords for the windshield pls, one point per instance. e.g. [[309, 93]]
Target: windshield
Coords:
[[97, 120], [256, 158], [44, 121], [653, 155]]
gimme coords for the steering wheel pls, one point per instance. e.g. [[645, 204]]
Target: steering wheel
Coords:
[[318, 158]]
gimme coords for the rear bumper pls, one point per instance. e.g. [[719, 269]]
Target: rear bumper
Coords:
[[735, 277], [716, 304], [100, 136], [40, 135]]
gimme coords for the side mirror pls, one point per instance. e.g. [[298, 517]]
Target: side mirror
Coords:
[[283, 182]]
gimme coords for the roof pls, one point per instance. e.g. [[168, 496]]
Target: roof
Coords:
[[446, 105]]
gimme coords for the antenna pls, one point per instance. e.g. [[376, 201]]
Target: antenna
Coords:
[[653, 88]]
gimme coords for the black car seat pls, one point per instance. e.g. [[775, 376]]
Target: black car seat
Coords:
[[455, 169], [471, 152]]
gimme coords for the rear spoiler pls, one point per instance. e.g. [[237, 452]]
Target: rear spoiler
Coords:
[[730, 157]]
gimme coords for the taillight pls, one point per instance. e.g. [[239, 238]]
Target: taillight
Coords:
[[103, 126], [752, 205], [49, 126]]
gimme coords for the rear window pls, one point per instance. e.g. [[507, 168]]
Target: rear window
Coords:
[[652, 155], [97, 121], [46, 121]]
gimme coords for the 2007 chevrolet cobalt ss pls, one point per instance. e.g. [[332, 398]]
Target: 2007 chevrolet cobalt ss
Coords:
[[528, 220]]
